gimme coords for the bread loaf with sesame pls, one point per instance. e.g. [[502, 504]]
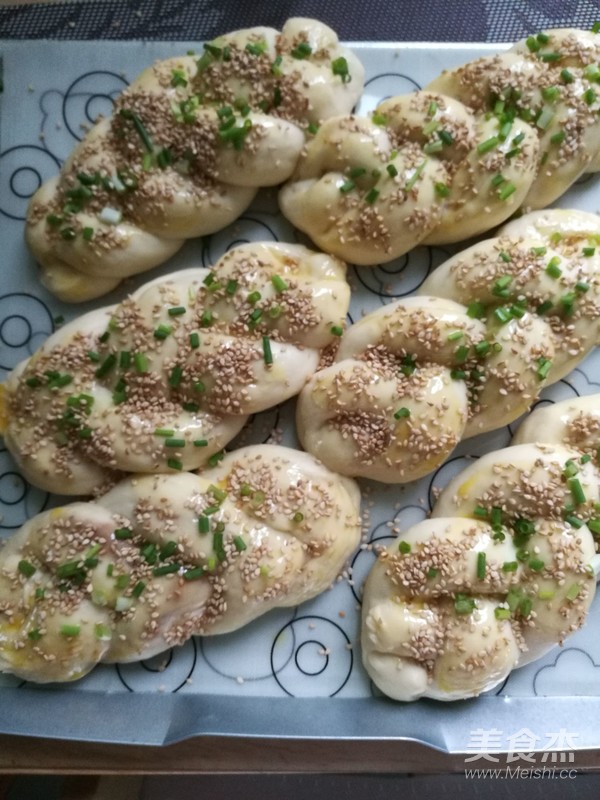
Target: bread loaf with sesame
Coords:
[[188, 145], [503, 571], [456, 159], [161, 558], [164, 380], [490, 328]]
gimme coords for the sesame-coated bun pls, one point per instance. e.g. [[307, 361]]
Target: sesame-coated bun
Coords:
[[161, 558], [491, 327], [497, 577], [164, 380], [573, 423], [188, 145], [456, 159]]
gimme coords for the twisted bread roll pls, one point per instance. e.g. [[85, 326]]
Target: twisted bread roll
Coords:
[[162, 558], [502, 572], [162, 381], [550, 80], [188, 145], [456, 159], [495, 324]]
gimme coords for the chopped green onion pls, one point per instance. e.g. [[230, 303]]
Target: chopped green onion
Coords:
[[481, 565], [174, 463], [176, 376], [336, 330], [70, 630], [463, 604], [123, 533], [576, 491], [174, 442], [194, 341], [402, 413], [507, 190], [26, 568], [200, 442], [501, 613], [140, 362], [543, 368], [165, 569], [488, 144], [372, 196], [510, 566], [339, 66], [404, 547], [163, 332], [239, 543], [573, 592], [536, 564]]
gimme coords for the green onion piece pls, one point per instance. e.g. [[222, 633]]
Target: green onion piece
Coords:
[[278, 283], [199, 387], [165, 569], [463, 604], [138, 589], [544, 307], [70, 630], [175, 376], [550, 57], [504, 256], [441, 189], [536, 564], [139, 126], [595, 27], [433, 107], [458, 374], [481, 565], [176, 311], [510, 566], [589, 96], [298, 517], [507, 190], [239, 543], [432, 572], [174, 463], [415, 176], [164, 431], [193, 574], [174, 442], [336, 330], [558, 138], [257, 48], [570, 469], [501, 613], [194, 341], [207, 318], [461, 353], [594, 525], [476, 310], [576, 491], [455, 336], [446, 137], [488, 144], [267, 352], [402, 413], [254, 297], [200, 442], [339, 66], [122, 581], [301, 51], [140, 362], [123, 533], [162, 332], [480, 512], [391, 170], [573, 592], [218, 546], [433, 147], [203, 524], [404, 547], [26, 568], [588, 251], [543, 368], [106, 366], [371, 196], [215, 458], [532, 44]]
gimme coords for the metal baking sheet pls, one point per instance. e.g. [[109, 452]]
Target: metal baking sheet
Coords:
[[296, 672]]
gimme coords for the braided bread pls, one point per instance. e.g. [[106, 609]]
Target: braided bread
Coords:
[[455, 160], [187, 147], [162, 381], [495, 324], [161, 558], [502, 572]]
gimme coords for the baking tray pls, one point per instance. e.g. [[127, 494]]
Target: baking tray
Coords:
[[294, 673]]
